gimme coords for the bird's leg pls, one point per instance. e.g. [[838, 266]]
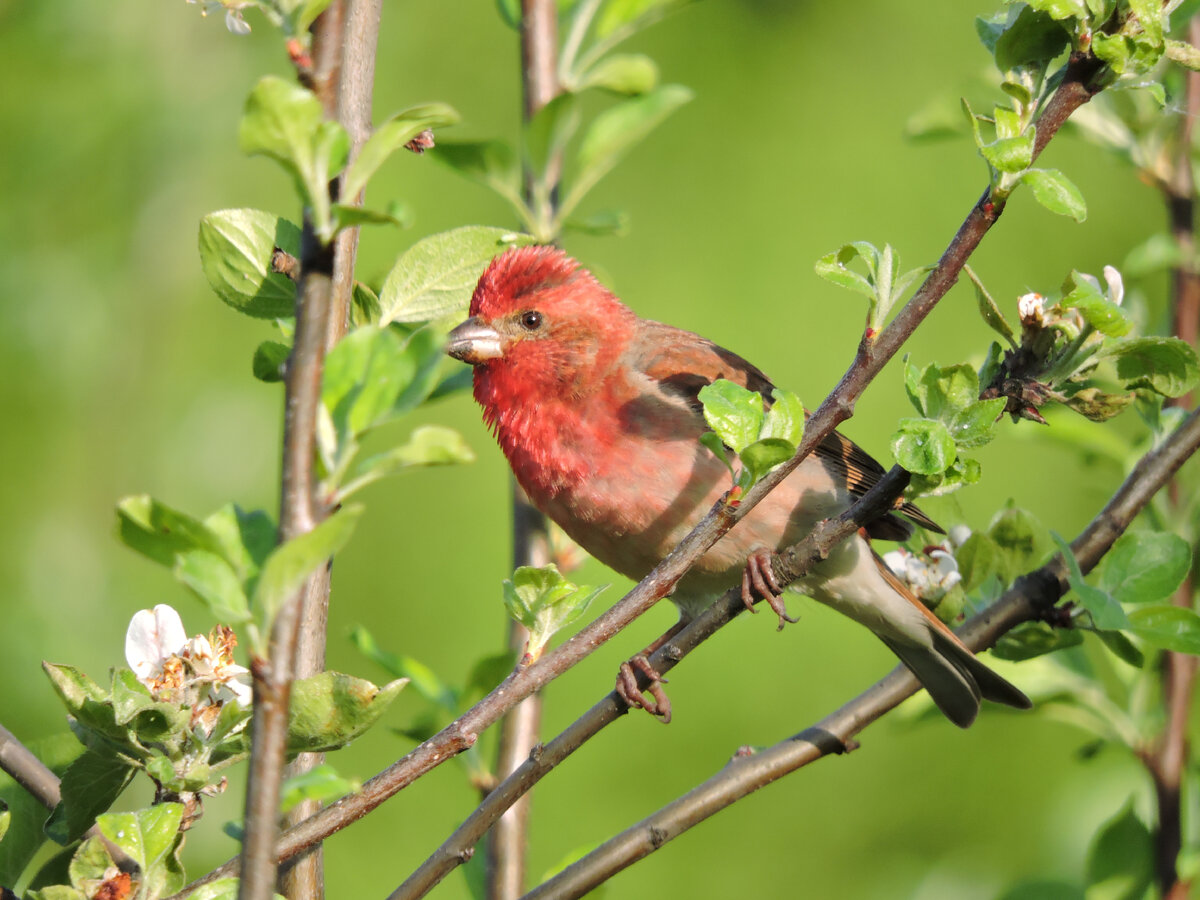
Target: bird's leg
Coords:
[[627, 686], [759, 577]]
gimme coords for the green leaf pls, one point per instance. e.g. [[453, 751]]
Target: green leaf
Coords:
[[835, 267], [1122, 647], [622, 73], [147, 836], [976, 425], [90, 785], [246, 538], [1035, 639], [221, 889], [1168, 627], [1145, 566], [1158, 253], [88, 865], [329, 710], [236, 247], [364, 374], [718, 449], [1020, 537], [785, 418], [941, 393], [1150, 16], [1056, 192], [1105, 610], [321, 783], [978, 558], [286, 569], [492, 163], [733, 412], [429, 445], [1184, 54], [424, 680], [159, 532], [1097, 405], [1014, 154], [544, 602], [551, 128], [990, 312], [1032, 37], [764, 455], [1061, 9], [625, 13], [270, 360], [434, 277], [213, 580], [390, 137], [1099, 312], [1120, 863], [1165, 365], [489, 671], [923, 446], [616, 131], [134, 707]]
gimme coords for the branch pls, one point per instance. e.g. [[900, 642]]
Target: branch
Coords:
[[788, 565], [28, 771], [345, 37], [1073, 92], [507, 847], [1031, 594]]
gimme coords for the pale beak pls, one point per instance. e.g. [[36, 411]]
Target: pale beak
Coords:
[[474, 342]]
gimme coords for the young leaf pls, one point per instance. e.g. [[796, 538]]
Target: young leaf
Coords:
[[321, 783], [429, 445], [236, 247], [159, 532], [616, 131], [1056, 192], [1120, 860], [977, 558], [390, 137], [213, 580], [1035, 639], [1145, 566], [975, 425], [1010, 154], [434, 277], [1101, 313], [1165, 365], [629, 73], [146, 836], [270, 359], [733, 412], [545, 603], [923, 446], [329, 710], [1168, 627], [835, 267], [785, 419], [90, 785], [291, 563], [1032, 37], [763, 455], [1105, 610], [1020, 537]]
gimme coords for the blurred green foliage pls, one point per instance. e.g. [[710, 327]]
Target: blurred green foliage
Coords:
[[125, 375]]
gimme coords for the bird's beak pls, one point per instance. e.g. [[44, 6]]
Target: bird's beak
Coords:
[[474, 342]]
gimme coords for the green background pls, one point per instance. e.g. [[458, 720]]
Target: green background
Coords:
[[122, 373]]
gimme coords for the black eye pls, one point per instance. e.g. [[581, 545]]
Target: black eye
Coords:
[[531, 320]]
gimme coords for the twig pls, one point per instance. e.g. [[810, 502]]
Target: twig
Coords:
[[344, 46], [507, 847], [788, 565], [1073, 92], [1168, 759], [1030, 594], [28, 771]]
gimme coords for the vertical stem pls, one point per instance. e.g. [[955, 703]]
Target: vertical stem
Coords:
[[508, 839], [1168, 760], [344, 47]]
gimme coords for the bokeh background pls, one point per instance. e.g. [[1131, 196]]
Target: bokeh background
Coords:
[[122, 373]]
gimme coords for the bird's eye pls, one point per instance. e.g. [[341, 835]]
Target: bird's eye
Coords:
[[531, 320]]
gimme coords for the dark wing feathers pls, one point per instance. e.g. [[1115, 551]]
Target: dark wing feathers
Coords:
[[683, 363]]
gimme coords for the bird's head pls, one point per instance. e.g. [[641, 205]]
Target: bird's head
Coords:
[[540, 326]]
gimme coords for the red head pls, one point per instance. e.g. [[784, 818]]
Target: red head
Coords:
[[541, 327]]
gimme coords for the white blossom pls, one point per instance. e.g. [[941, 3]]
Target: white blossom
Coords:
[[154, 636], [1116, 287], [930, 576]]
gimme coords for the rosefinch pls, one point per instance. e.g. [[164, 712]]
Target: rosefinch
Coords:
[[597, 412]]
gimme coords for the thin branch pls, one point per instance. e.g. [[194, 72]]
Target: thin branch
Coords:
[[1168, 759], [508, 842], [344, 44], [1073, 92], [788, 565], [1030, 595], [28, 771]]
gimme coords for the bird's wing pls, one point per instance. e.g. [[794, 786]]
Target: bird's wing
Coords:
[[682, 363]]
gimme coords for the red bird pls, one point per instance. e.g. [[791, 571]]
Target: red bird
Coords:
[[597, 412]]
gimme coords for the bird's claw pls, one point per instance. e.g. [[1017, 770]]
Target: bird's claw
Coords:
[[658, 704], [760, 577]]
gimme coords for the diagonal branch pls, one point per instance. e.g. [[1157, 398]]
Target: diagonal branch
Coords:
[[1030, 595], [1075, 89], [788, 565]]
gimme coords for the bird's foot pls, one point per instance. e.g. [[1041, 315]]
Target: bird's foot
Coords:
[[627, 688], [759, 576]]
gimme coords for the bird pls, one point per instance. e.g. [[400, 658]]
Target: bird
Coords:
[[597, 412]]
